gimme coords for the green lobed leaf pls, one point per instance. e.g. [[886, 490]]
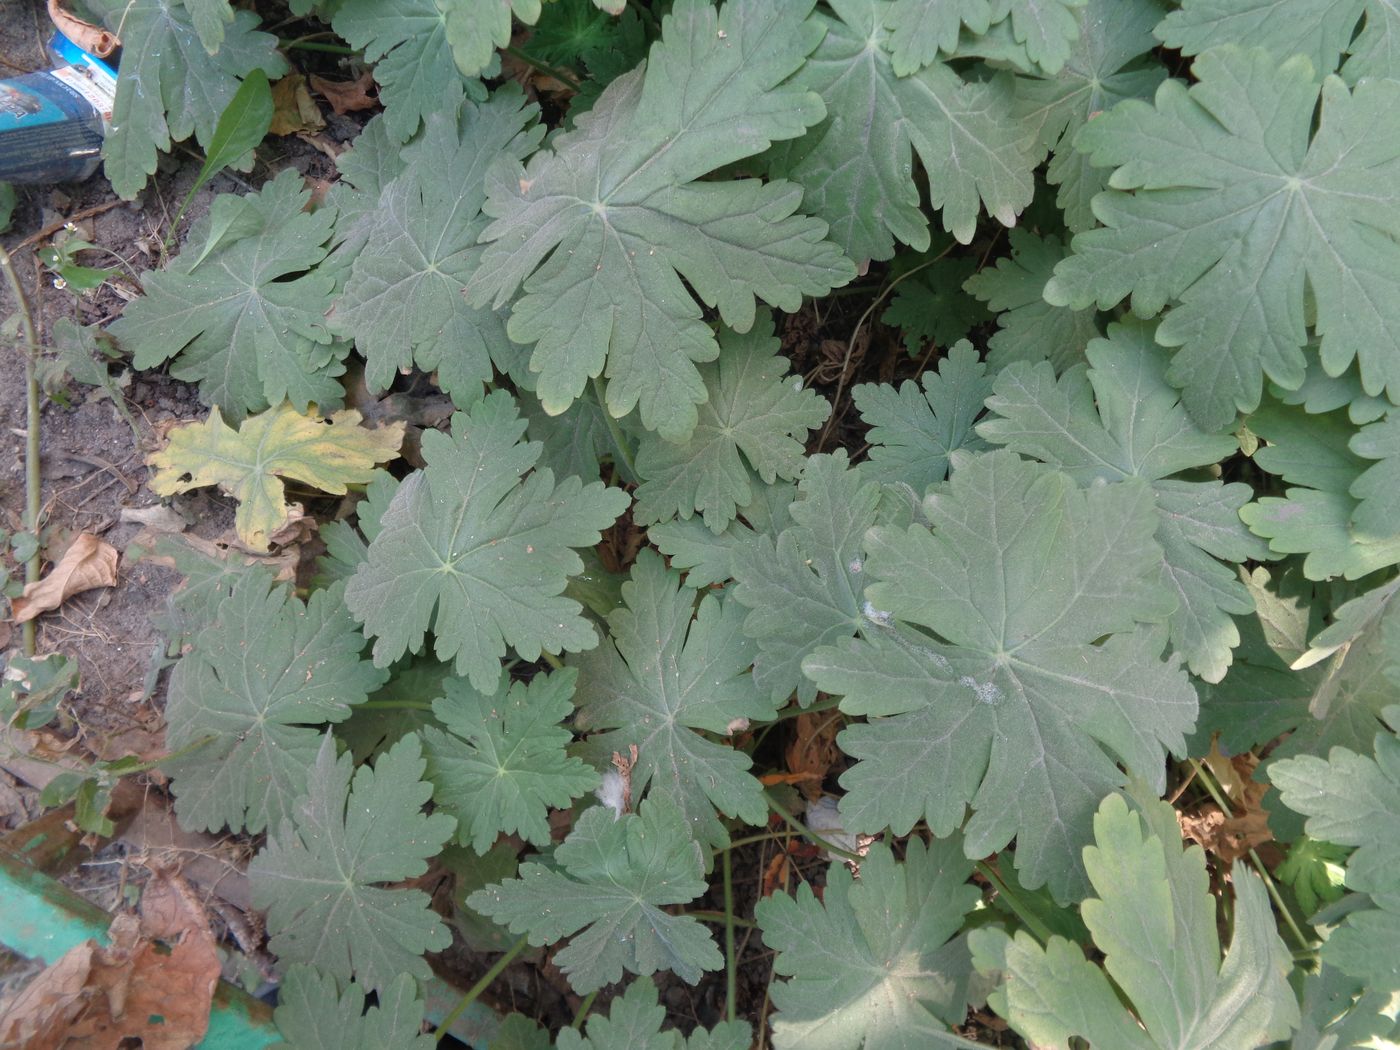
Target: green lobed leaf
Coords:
[[710, 558], [408, 42], [1120, 418], [1227, 201], [875, 964], [1029, 328], [500, 764], [803, 585], [313, 1014], [1323, 30], [981, 665], [1316, 515], [1153, 918], [614, 876], [1105, 66], [245, 319], [1358, 681], [634, 1023], [1354, 800], [756, 419], [478, 548], [170, 86], [600, 227], [912, 432], [1378, 488], [402, 300], [932, 307], [263, 716], [856, 168], [660, 681], [319, 877]]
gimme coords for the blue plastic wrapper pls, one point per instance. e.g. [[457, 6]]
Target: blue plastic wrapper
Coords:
[[52, 122]]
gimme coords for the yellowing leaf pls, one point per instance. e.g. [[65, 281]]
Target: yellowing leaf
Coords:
[[249, 463]]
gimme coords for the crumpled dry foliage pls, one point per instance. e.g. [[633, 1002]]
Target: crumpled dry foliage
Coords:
[[154, 981], [88, 563]]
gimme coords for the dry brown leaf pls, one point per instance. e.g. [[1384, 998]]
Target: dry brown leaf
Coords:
[[86, 35], [88, 563], [293, 108], [813, 751], [99, 997], [346, 96], [1232, 837]]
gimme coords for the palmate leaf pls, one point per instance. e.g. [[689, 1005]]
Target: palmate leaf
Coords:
[[411, 45], [1324, 30], [402, 301], [709, 558], [932, 307], [980, 652], [1378, 488], [1118, 419], [318, 876], [1317, 514], [249, 463], [634, 1023], [757, 418], [913, 432], [1361, 674], [614, 876], [313, 1014], [1153, 918], [659, 681], [171, 84], [920, 29], [1354, 800], [1226, 200], [1029, 328], [804, 585], [480, 553], [500, 765], [875, 964], [602, 225], [856, 168], [1340, 1013], [1104, 67], [263, 716], [242, 308]]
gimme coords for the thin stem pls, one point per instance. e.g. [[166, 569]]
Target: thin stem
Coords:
[[393, 705], [582, 1011], [731, 975], [619, 439], [1217, 794], [1028, 919], [564, 78], [475, 990], [807, 833], [749, 840], [706, 915], [32, 477], [552, 660], [313, 45]]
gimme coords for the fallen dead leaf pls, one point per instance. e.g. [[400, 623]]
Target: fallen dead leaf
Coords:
[[88, 563], [1232, 837], [134, 988], [346, 96], [293, 108], [812, 751], [86, 35]]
